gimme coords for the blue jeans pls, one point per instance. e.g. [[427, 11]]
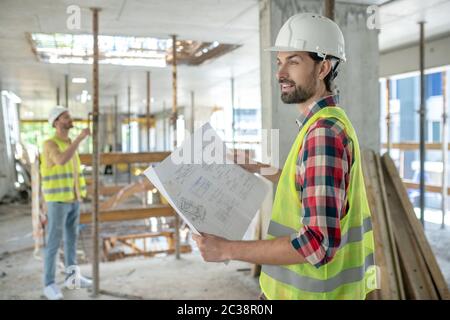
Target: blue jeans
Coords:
[[61, 216]]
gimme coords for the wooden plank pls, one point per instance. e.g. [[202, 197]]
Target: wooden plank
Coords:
[[133, 246], [106, 247], [391, 286], [388, 289], [119, 157], [184, 248], [390, 231], [410, 216], [429, 188], [130, 214], [417, 281], [413, 146], [106, 190], [145, 235]]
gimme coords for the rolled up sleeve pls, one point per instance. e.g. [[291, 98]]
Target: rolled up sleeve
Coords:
[[322, 177]]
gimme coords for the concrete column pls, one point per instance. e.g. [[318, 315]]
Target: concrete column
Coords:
[[357, 80]]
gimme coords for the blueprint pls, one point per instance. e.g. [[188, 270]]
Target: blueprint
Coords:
[[207, 189]]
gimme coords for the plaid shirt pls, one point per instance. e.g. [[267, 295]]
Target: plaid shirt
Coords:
[[322, 180]]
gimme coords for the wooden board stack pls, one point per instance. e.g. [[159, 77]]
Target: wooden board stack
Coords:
[[408, 267]]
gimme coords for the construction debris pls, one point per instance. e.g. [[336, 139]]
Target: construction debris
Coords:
[[408, 267]]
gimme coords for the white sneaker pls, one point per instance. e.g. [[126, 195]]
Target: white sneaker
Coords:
[[83, 284], [52, 292]]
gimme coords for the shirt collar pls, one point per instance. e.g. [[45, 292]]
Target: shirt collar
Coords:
[[328, 101]]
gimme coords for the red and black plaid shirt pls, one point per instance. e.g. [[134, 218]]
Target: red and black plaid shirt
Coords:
[[322, 179]]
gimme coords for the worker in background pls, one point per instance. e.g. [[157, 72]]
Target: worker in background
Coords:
[[63, 186], [320, 240]]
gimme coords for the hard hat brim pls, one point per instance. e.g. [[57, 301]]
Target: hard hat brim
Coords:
[[282, 49], [290, 49]]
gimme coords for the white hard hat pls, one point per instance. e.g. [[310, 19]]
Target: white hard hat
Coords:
[[55, 113], [313, 33]]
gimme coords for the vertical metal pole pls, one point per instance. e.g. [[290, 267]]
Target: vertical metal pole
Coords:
[[233, 123], [164, 127], [95, 157], [329, 9], [174, 126], [422, 114], [148, 111], [444, 148], [66, 87], [388, 117], [174, 89], [57, 97], [129, 131], [192, 111], [117, 129], [116, 123]]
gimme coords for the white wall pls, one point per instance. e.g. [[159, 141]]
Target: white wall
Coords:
[[406, 59], [7, 170]]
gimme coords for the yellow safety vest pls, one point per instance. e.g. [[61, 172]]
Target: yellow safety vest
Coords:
[[58, 181], [352, 273]]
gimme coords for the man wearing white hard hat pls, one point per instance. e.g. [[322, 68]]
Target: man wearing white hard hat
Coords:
[[320, 240], [63, 186]]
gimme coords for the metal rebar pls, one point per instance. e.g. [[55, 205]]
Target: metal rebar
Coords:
[[388, 117], [95, 158], [192, 111], [422, 114], [117, 127], [129, 131], [148, 111], [233, 109], [66, 89], [444, 149], [174, 126]]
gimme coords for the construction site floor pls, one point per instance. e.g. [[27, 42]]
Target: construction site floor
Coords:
[[146, 278]]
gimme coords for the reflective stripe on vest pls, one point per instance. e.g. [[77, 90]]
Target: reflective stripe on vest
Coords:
[[61, 190], [314, 285], [58, 176], [352, 235], [57, 190]]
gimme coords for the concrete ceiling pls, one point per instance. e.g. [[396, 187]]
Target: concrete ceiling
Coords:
[[399, 20], [226, 21]]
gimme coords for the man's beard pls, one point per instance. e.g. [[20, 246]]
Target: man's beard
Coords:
[[299, 94]]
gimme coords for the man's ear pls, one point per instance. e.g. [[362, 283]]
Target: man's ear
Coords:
[[325, 69]]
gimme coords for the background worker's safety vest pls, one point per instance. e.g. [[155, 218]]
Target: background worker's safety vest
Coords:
[[58, 181], [352, 273]]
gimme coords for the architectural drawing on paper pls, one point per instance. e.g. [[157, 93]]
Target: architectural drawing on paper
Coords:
[[196, 212], [183, 172], [201, 186]]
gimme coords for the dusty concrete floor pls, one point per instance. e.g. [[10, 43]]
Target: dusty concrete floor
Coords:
[[440, 244], [149, 278]]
